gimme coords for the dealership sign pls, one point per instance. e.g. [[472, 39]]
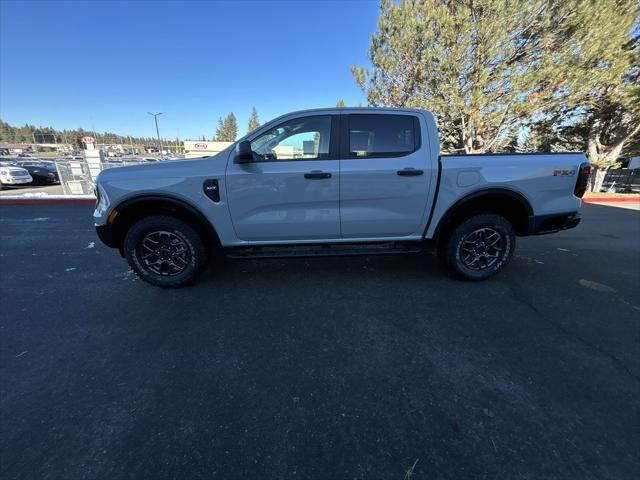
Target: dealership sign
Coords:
[[198, 148], [88, 140]]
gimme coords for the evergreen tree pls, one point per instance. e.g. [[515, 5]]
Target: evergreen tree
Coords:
[[340, 104], [488, 68], [227, 130], [27, 133], [601, 114], [253, 121], [219, 130]]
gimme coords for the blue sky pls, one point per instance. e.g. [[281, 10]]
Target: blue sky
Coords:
[[104, 64]]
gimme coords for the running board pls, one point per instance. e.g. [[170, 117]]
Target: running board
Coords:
[[329, 250]]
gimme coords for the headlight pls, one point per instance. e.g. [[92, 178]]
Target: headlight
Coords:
[[102, 200]]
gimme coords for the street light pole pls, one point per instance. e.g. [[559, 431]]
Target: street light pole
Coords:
[[155, 117]]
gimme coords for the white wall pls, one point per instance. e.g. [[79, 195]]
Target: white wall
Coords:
[[199, 148]]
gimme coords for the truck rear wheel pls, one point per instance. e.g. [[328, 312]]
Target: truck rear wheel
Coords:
[[478, 247], [165, 251]]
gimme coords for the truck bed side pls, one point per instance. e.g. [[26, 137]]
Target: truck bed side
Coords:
[[545, 181]]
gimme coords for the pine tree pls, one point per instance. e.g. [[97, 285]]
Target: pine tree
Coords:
[[488, 68], [253, 121], [340, 104], [26, 134], [219, 130], [227, 130]]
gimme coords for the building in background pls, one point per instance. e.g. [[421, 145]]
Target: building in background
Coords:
[[203, 148]]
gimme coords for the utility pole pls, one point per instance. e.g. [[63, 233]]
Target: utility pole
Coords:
[[155, 117]]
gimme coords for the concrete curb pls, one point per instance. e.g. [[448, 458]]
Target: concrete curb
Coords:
[[630, 198], [46, 200]]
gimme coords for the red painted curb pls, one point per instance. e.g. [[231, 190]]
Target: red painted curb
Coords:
[[44, 201], [87, 201], [611, 199]]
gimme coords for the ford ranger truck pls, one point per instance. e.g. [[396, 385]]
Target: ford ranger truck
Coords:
[[336, 182]]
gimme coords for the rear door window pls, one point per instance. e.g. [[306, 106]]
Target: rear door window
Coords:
[[382, 135]]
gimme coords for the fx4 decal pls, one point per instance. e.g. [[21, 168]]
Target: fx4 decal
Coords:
[[564, 173]]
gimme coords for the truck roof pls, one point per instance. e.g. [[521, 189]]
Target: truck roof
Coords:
[[357, 109], [346, 110]]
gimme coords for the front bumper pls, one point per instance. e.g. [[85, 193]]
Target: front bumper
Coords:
[[543, 224], [17, 180], [106, 236]]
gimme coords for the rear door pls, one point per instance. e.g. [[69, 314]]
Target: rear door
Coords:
[[385, 173], [290, 192]]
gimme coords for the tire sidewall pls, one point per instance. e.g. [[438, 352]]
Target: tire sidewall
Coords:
[[190, 237], [453, 255]]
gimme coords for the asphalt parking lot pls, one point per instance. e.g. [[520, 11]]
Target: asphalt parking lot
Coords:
[[343, 368]]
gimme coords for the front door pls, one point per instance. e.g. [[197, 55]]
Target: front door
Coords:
[[290, 192], [385, 173]]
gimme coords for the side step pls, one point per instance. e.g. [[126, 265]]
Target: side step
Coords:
[[327, 250]]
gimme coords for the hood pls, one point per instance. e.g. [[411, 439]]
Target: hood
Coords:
[[214, 165]]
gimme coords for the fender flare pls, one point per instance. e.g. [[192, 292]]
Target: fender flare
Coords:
[[461, 202], [145, 197]]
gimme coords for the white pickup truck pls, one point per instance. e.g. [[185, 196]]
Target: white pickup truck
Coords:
[[336, 182]]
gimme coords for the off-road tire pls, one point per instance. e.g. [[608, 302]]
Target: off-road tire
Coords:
[[190, 241], [458, 249]]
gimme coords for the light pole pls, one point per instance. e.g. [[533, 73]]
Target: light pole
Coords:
[[155, 117]]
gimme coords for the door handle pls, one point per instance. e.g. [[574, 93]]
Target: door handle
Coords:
[[317, 175], [409, 172]]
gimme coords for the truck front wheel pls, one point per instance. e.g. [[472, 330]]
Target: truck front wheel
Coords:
[[478, 247], [165, 251]]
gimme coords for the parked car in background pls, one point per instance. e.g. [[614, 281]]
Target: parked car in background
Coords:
[[339, 181], [43, 173], [10, 175], [24, 155]]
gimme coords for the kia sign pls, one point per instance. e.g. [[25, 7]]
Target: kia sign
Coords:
[[198, 148], [88, 140]]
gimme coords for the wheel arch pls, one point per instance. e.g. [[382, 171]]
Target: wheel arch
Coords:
[[508, 203], [134, 208]]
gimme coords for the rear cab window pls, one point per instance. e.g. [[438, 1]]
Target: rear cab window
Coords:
[[381, 135]]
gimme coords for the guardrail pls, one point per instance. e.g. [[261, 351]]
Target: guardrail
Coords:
[[75, 175], [622, 180]]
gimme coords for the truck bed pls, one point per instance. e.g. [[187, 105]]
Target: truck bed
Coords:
[[545, 180]]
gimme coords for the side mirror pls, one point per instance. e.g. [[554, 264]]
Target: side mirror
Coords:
[[243, 152]]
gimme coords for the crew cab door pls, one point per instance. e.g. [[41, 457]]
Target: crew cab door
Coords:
[[385, 175], [290, 191]]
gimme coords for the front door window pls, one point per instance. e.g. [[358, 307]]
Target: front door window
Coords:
[[306, 138]]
